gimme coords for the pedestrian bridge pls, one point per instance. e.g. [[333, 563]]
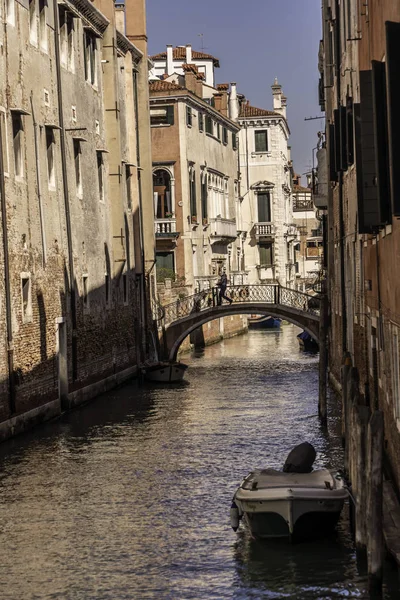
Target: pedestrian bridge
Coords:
[[180, 318]]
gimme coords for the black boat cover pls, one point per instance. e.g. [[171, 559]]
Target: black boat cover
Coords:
[[300, 459]]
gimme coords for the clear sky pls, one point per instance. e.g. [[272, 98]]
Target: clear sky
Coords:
[[255, 41]]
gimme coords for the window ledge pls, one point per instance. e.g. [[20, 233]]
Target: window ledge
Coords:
[[161, 125], [214, 137], [266, 152]]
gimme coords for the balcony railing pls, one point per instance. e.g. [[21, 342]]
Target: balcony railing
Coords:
[[223, 229], [264, 230], [165, 227]]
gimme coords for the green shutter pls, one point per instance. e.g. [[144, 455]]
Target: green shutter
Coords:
[[393, 104], [170, 115], [264, 207]]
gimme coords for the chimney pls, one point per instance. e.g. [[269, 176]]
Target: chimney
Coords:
[[191, 77], [120, 17], [280, 101], [170, 59], [188, 54], [233, 103], [199, 84], [223, 98]]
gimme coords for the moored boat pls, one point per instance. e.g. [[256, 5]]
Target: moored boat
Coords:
[[164, 371], [296, 503], [293, 505], [307, 343], [264, 323]]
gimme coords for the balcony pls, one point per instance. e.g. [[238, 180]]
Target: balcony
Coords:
[[222, 231], [166, 234], [291, 232], [264, 230]]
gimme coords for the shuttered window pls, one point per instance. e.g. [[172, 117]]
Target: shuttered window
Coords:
[[379, 97], [332, 162], [367, 190], [350, 130], [393, 103], [264, 207], [261, 141], [265, 252]]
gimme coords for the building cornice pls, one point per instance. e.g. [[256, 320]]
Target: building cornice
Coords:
[[91, 16], [125, 46], [196, 102]]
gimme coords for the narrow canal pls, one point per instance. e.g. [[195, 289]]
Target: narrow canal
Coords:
[[129, 497]]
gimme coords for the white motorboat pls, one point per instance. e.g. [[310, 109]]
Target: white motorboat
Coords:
[[275, 504], [164, 372]]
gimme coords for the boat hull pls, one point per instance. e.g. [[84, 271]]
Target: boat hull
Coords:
[[299, 508], [165, 372], [264, 323]]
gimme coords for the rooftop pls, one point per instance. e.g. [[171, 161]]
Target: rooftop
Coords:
[[251, 111], [179, 53], [163, 86]]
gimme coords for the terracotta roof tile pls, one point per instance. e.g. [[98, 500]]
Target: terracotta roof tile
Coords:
[[251, 111], [179, 53], [163, 86], [300, 188]]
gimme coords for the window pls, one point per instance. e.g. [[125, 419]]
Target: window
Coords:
[[50, 146], [43, 24], [18, 133], [189, 116], [33, 34], [201, 121], [90, 57], [3, 140], [26, 297], [225, 135], [218, 131], [162, 194], [209, 125], [78, 167], [162, 116], [204, 197], [193, 207], [85, 291], [264, 207], [66, 38], [100, 174], [125, 287], [261, 141], [265, 253], [165, 260], [234, 141], [128, 185]]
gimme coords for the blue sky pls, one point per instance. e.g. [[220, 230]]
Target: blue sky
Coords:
[[255, 41]]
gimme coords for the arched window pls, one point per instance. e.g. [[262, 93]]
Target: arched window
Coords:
[[162, 194]]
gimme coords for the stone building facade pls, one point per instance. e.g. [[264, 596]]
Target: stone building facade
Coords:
[[309, 248], [266, 201], [359, 91], [76, 234]]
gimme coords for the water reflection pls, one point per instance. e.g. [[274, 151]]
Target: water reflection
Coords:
[[129, 497]]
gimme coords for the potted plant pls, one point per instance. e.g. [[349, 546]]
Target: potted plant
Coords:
[[168, 215], [194, 219]]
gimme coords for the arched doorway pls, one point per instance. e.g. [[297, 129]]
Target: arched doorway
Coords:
[[162, 194]]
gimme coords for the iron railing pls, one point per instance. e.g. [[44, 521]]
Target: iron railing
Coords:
[[273, 294]]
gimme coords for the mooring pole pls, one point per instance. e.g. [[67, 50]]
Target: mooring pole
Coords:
[[323, 357], [375, 501]]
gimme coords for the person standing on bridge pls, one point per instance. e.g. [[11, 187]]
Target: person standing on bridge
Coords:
[[222, 284]]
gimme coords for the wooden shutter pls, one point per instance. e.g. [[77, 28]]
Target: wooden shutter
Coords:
[[264, 207], [170, 115], [368, 202], [343, 139], [350, 131], [381, 139], [393, 104], [336, 122], [332, 163]]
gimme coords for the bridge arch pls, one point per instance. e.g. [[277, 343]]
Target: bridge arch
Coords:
[[197, 311]]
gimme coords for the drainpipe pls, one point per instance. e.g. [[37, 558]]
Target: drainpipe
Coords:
[[39, 185], [10, 344], [143, 310], [66, 193]]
